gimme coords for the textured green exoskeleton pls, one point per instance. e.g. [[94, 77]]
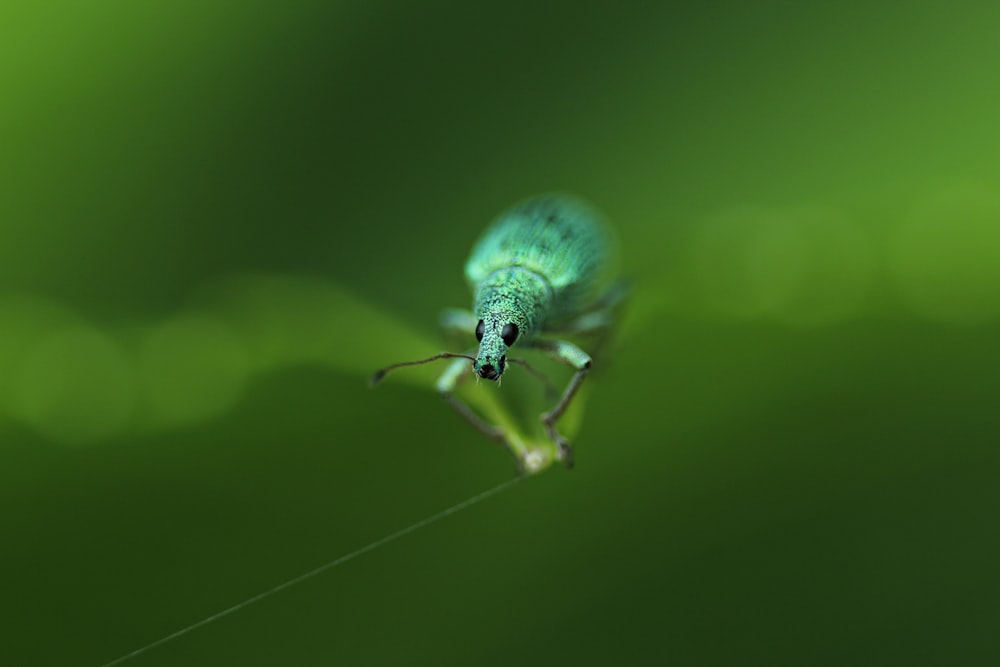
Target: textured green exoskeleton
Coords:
[[535, 269]]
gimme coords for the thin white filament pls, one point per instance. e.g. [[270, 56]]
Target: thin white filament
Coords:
[[319, 570]]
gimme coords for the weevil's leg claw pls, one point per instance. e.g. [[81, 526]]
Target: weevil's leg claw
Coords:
[[564, 451], [566, 454]]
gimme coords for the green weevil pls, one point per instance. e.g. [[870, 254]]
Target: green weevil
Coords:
[[534, 270]]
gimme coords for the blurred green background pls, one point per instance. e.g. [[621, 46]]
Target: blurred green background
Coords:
[[217, 218]]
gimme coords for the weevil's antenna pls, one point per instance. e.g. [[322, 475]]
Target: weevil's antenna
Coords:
[[381, 373], [468, 502]]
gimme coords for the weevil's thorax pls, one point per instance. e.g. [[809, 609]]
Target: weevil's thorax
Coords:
[[509, 297]]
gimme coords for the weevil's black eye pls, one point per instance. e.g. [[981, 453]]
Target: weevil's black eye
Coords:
[[480, 328], [509, 334]]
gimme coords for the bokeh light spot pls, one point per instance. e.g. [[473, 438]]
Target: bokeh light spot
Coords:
[[776, 258], [290, 320], [811, 267], [720, 249], [24, 318], [193, 367], [75, 386], [804, 267], [945, 257]]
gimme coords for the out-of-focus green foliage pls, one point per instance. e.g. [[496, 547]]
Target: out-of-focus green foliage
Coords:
[[217, 219]]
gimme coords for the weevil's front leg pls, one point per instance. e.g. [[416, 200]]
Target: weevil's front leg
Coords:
[[456, 371], [573, 356]]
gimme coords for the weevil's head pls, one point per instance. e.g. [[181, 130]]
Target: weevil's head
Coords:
[[510, 304], [495, 334]]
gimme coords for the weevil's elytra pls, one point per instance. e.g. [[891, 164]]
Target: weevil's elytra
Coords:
[[535, 268]]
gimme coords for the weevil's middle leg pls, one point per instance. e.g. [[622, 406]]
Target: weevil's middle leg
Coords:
[[456, 371], [573, 356]]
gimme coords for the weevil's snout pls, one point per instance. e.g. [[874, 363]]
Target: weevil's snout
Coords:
[[491, 359], [489, 371]]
